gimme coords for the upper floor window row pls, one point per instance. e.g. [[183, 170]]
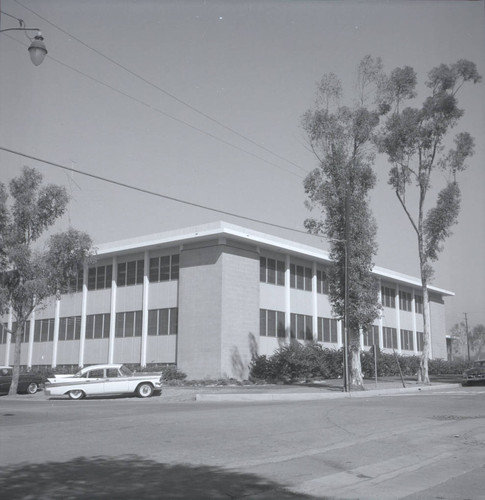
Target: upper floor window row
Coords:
[[272, 271], [100, 277], [165, 268], [418, 304], [405, 301], [388, 297], [301, 277], [75, 282]]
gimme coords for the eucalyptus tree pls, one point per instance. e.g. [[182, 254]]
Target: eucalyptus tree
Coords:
[[415, 142], [31, 273], [341, 139]]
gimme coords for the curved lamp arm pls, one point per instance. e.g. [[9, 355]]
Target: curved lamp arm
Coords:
[[37, 49]]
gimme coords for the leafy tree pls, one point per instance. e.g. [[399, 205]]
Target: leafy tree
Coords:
[[478, 340], [472, 341], [30, 273], [413, 139], [341, 138]]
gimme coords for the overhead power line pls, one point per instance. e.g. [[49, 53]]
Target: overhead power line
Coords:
[[164, 113], [161, 89], [149, 192]]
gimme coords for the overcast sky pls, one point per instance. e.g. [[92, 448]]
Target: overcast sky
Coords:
[[202, 101]]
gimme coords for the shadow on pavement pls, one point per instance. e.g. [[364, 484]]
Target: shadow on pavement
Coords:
[[132, 477]]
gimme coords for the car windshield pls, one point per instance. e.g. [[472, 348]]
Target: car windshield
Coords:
[[126, 372]]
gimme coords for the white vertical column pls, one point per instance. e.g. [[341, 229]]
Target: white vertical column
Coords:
[[56, 332], [84, 303], [314, 302], [430, 330], [415, 328], [287, 298], [398, 318], [31, 339], [381, 318], [144, 323], [112, 313], [340, 332]]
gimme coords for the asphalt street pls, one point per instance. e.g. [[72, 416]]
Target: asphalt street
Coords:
[[407, 446]]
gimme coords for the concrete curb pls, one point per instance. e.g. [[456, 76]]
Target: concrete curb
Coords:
[[308, 396]]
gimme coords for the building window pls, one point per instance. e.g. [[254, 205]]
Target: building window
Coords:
[[100, 277], [327, 330], [322, 282], [75, 283], [389, 337], [271, 323], [420, 341], [3, 333], [388, 297], [301, 277], [128, 324], [70, 328], [165, 268], [271, 271], [163, 321], [301, 327], [407, 340], [97, 326], [405, 301], [44, 330], [371, 337], [130, 273], [418, 304]]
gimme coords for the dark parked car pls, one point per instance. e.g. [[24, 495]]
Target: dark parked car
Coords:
[[474, 374], [28, 382]]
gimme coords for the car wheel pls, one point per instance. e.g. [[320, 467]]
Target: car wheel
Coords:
[[76, 394], [32, 388], [144, 390]]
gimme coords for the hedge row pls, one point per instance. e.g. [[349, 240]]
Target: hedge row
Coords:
[[312, 361]]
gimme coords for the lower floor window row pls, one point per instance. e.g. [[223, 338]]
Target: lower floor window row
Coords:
[[127, 324], [272, 324], [389, 338]]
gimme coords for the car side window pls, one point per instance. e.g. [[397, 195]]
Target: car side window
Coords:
[[113, 372], [4, 372], [95, 374]]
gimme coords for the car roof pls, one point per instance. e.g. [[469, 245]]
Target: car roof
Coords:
[[5, 367], [100, 367]]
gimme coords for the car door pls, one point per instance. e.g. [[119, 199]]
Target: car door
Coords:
[[116, 383], [95, 381], [5, 379]]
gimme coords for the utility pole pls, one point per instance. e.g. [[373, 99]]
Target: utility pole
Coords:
[[467, 339]]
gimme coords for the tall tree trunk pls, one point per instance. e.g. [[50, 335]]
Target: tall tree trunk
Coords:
[[16, 362], [356, 379], [423, 375]]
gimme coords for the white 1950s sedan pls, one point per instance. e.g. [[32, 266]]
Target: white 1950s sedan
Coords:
[[104, 380]]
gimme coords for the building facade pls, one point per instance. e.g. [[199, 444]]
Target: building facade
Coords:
[[207, 299]]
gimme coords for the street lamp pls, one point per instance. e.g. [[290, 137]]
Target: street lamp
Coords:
[[37, 48]]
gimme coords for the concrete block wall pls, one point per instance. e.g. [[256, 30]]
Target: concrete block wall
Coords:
[[200, 303], [240, 311]]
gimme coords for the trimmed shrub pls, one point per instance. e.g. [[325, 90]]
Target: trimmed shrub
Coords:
[[173, 373], [296, 362]]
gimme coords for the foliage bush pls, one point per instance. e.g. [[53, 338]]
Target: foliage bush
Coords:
[[297, 362]]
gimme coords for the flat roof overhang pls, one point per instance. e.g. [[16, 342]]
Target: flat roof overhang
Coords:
[[223, 229]]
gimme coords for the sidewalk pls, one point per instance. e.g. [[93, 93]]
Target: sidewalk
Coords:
[[327, 389]]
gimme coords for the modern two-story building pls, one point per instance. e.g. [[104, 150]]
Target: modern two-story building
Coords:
[[207, 299]]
